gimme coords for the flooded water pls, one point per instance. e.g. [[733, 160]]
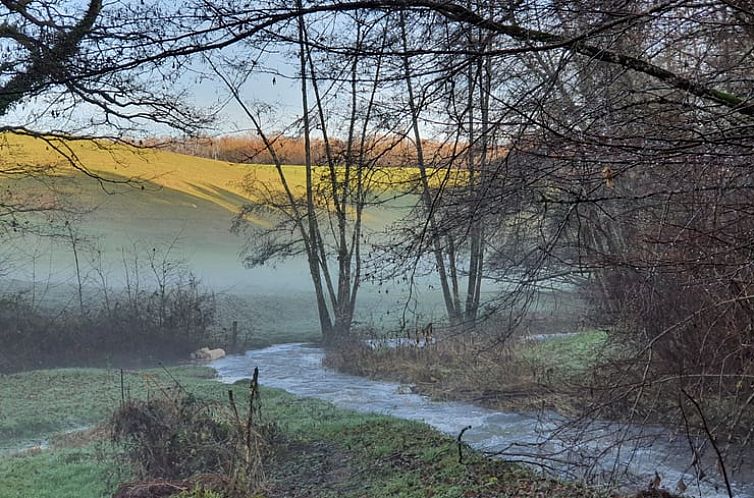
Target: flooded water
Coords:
[[33, 445], [599, 452]]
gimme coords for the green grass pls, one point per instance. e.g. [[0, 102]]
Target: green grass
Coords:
[[385, 457], [570, 355], [320, 450], [38, 403], [63, 473]]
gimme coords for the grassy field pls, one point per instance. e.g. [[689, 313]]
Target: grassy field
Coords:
[[39, 403], [570, 355], [180, 201], [63, 472], [321, 451], [219, 182]]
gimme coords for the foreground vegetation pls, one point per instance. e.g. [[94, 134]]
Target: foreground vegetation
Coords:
[[628, 168], [164, 319], [317, 449]]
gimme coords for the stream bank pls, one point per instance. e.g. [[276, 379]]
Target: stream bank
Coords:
[[598, 454], [321, 451]]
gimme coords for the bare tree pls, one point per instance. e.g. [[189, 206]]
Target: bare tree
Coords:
[[627, 130], [78, 70], [61, 57], [325, 221]]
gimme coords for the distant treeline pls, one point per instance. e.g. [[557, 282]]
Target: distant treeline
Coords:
[[387, 150]]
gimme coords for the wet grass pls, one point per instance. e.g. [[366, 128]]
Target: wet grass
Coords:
[[39, 403], [570, 355], [320, 450], [520, 375], [62, 473], [383, 457]]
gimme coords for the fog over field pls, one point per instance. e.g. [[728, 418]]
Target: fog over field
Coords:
[[273, 300]]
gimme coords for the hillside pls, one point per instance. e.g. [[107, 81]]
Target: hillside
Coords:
[[183, 199], [219, 182]]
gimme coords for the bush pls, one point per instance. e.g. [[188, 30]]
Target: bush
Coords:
[[149, 324], [174, 439], [193, 441]]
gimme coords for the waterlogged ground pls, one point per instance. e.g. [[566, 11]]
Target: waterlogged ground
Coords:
[[570, 450]]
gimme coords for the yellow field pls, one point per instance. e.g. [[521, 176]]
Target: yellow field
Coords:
[[216, 181]]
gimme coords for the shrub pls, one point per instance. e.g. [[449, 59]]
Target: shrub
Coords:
[[190, 440], [173, 439], [149, 324]]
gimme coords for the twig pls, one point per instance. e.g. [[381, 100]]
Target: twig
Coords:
[[235, 411], [175, 381], [459, 442], [711, 438], [253, 393], [122, 390]]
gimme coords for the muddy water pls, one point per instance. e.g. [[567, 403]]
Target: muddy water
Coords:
[[597, 452]]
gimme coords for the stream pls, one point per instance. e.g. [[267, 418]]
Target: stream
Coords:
[[597, 452]]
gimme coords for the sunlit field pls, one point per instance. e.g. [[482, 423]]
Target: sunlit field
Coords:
[[222, 183]]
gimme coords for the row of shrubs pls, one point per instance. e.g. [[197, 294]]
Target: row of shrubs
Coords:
[[131, 327]]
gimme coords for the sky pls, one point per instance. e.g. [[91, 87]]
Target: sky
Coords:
[[271, 87], [274, 88]]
